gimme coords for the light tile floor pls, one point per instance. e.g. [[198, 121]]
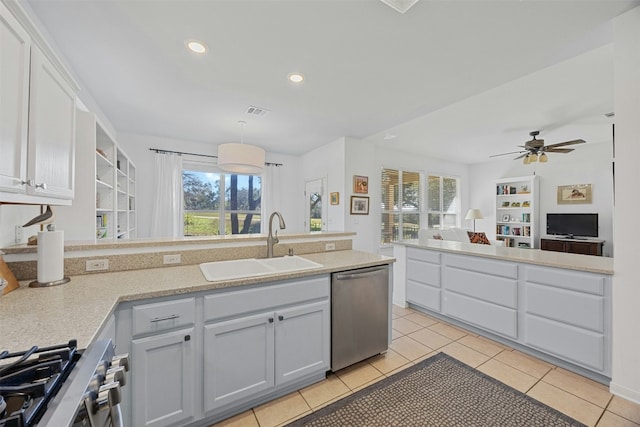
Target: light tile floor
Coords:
[[416, 337]]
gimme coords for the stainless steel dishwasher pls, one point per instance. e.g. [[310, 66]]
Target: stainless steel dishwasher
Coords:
[[359, 315]]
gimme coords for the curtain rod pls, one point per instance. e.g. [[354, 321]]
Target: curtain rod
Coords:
[[158, 150]]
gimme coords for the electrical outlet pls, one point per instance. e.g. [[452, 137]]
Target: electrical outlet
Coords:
[[330, 247], [19, 234], [97, 264], [171, 259]]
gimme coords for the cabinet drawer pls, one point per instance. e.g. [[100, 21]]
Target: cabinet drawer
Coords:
[[423, 295], [423, 272], [162, 316], [574, 280], [482, 265], [235, 303], [488, 316], [580, 346], [497, 290], [423, 255], [578, 309]]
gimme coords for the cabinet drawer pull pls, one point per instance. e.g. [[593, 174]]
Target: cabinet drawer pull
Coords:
[[160, 319], [280, 317]]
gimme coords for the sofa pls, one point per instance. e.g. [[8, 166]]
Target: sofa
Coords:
[[456, 235]]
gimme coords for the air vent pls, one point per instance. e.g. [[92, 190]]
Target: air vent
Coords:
[[252, 110]]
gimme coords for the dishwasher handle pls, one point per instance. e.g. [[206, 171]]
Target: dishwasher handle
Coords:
[[360, 274]]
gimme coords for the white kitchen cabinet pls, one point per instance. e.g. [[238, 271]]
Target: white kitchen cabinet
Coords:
[[38, 117], [239, 360], [568, 315], [163, 375], [205, 356], [561, 313], [302, 341], [248, 355], [15, 45], [423, 278]]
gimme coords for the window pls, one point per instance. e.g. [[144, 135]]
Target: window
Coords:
[[401, 192], [443, 202], [221, 204]]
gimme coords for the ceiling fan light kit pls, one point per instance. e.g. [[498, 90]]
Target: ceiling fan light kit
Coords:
[[535, 150]]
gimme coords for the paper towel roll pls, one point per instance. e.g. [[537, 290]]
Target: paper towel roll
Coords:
[[50, 256]]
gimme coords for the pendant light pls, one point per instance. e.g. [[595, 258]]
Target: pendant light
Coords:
[[240, 157]]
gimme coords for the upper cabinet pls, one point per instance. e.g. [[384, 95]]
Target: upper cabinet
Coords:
[[37, 116]]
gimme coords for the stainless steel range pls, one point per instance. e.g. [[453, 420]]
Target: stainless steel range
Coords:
[[61, 386]]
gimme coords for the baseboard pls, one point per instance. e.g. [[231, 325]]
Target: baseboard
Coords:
[[624, 392]]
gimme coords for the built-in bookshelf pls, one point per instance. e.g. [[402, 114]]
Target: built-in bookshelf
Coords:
[[517, 211], [105, 195]]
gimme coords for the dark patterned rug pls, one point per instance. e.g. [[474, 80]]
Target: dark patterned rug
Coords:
[[439, 391]]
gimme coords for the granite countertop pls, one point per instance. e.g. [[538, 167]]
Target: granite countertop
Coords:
[[78, 309], [590, 263]]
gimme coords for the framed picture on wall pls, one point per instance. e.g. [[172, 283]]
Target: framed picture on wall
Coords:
[[360, 184], [574, 194], [359, 205], [334, 198]]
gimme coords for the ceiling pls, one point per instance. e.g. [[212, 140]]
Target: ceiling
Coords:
[[455, 79]]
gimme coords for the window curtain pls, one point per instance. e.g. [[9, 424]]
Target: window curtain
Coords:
[[271, 191], [168, 209]]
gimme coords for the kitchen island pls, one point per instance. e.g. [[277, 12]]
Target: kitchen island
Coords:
[[556, 306], [224, 346]]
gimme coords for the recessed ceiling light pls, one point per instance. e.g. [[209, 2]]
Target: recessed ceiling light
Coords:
[[296, 78], [196, 46]]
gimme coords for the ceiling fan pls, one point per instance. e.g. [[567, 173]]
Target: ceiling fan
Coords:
[[535, 149]]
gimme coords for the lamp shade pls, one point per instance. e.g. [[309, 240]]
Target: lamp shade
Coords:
[[240, 158], [474, 214]]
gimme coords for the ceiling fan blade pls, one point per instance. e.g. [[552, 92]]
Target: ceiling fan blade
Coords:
[[558, 150], [505, 154], [562, 144], [520, 156]]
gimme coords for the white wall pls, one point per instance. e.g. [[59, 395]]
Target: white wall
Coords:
[[327, 161], [625, 380], [590, 163], [137, 148]]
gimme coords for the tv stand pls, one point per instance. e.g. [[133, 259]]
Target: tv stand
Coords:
[[572, 245]]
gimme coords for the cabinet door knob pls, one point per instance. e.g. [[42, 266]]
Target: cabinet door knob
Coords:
[[281, 317], [28, 183], [42, 185], [270, 319], [187, 337]]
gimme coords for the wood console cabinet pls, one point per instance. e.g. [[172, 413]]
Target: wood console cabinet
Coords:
[[583, 247]]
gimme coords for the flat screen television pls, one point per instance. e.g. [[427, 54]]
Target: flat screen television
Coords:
[[572, 224]]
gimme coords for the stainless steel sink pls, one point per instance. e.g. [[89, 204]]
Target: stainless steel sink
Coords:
[[241, 268]]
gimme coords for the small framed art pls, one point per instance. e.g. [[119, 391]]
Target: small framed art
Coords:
[[359, 205], [334, 198], [360, 184]]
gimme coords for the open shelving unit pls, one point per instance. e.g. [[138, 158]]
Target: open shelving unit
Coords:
[[104, 204], [517, 211]]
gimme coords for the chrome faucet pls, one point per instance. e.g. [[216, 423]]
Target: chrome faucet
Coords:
[[271, 239]]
